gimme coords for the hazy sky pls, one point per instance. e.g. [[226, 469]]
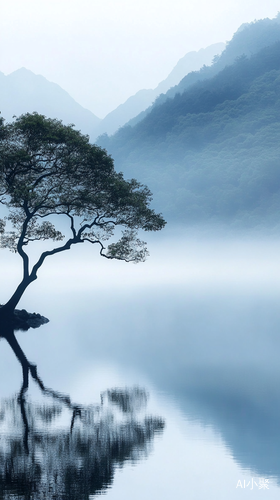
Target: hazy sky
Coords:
[[103, 51]]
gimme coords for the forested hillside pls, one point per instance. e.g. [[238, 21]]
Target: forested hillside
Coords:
[[248, 40], [213, 151]]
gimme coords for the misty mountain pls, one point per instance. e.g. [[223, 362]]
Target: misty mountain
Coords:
[[212, 152], [249, 39], [22, 91], [137, 103]]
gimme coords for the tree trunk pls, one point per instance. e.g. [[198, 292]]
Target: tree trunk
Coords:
[[8, 308]]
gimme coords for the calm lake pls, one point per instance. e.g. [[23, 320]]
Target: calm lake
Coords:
[[172, 367]]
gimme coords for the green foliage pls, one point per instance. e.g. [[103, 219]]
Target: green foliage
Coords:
[[128, 248], [48, 170]]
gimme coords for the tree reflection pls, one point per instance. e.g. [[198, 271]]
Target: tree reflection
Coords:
[[60, 450]]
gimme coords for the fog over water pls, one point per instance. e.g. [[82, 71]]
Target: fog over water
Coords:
[[197, 325], [194, 260]]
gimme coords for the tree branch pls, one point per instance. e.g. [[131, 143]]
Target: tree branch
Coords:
[[20, 245], [44, 255], [87, 226], [41, 178], [74, 232]]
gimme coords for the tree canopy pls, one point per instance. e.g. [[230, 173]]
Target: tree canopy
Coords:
[[47, 170]]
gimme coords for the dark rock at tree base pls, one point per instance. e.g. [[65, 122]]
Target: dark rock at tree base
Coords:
[[23, 320]]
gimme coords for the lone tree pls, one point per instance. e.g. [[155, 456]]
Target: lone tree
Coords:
[[48, 170]]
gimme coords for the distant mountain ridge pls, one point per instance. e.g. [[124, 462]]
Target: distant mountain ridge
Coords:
[[212, 152], [249, 39], [22, 91], [137, 103]]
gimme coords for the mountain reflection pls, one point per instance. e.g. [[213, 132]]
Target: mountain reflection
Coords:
[[60, 450], [244, 408]]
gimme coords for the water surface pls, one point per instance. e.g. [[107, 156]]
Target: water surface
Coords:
[[197, 328]]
